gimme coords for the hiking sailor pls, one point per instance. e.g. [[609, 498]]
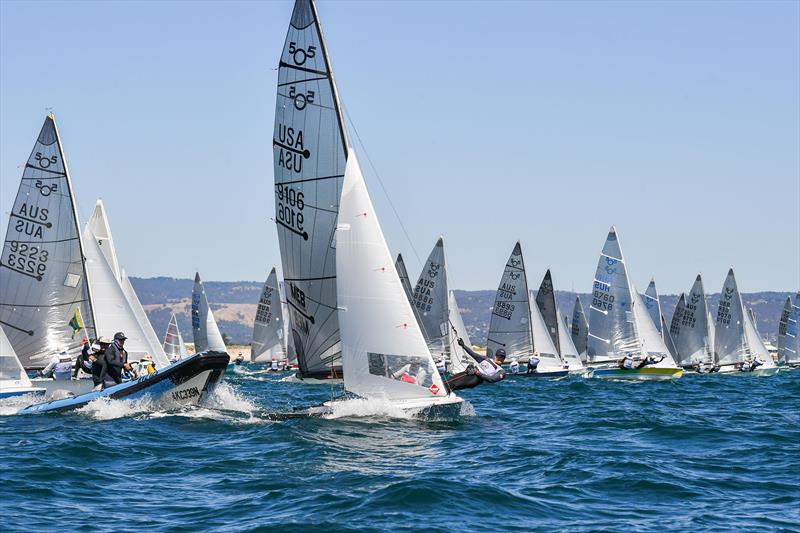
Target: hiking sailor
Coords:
[[533, 364], [626, 362], [650, 360], [486, 370]]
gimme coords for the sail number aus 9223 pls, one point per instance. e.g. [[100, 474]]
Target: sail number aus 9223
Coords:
[[290, 205], [27, 259]]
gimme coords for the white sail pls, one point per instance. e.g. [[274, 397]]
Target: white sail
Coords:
[[652, 303], [612, 329], [400, 265], [579, 329], [100, 228], [569, 354], [730, 344], [205, 331], [174, 347], [310, 154], [384, 353], [11, 372], [42, 277], [652, 343], [268, 340], [510, 323], [546, 302], [690, 328], [156, 349], [543, 346], [459, 358], [754, 341], [429, 300], [113, 315]]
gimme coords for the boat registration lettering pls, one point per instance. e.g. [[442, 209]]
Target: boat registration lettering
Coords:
[[28, 259], [186, 394], [504, 310]]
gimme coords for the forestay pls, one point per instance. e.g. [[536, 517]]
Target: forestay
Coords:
[[205, 331], [510, 323], [174, 347], [612, 332], [384, 353], [580, 328], [42, 277], [268, 341], [11, 372], [310, 154], [730, 345], [430, 299]]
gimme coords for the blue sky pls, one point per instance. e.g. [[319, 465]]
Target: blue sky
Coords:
[[487, 122]]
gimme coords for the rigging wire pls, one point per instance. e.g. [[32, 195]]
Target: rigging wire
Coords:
[[380, 181]]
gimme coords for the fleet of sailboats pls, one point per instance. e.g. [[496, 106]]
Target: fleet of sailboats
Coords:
[[344, 310]]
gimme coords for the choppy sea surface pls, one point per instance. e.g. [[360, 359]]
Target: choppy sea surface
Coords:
[[705, 453]]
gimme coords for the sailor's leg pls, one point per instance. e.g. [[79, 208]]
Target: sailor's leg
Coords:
[[462, 380]]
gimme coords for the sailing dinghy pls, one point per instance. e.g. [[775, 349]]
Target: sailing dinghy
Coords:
[[516, 325], [653, 304], [737, 342], [579, 330], [620, 326], [174, 347], [268, 332], [553, 321], [437, 312], [354, 304], [788, 341], [690, 329]]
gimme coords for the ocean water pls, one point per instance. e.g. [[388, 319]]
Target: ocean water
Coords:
[[705, 453]]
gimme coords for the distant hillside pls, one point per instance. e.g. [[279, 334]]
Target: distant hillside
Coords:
[[234, 305]]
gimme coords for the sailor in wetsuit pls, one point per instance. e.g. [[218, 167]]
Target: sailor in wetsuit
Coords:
[[533, 364], [114, 362], [486, 370], [650, 360]]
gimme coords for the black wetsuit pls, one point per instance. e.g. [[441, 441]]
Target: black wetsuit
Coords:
[[469, 378], [112, 363], [650, 361]]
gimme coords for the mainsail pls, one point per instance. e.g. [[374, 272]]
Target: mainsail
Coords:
[[11, 372], [400, 265], [546, 302], [543, 346], [268, 341], [792, 346], [612, 330], [569, 353], [174, 348], [510, 323], [579, 328], [730, 344], [310, 152], [690, 327], [652, 303], [116, 304], [43, 283], [384, 353], [430, 302], [205, 331], [757, 347]]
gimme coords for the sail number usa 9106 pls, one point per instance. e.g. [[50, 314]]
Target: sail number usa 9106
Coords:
[[289, 209]]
